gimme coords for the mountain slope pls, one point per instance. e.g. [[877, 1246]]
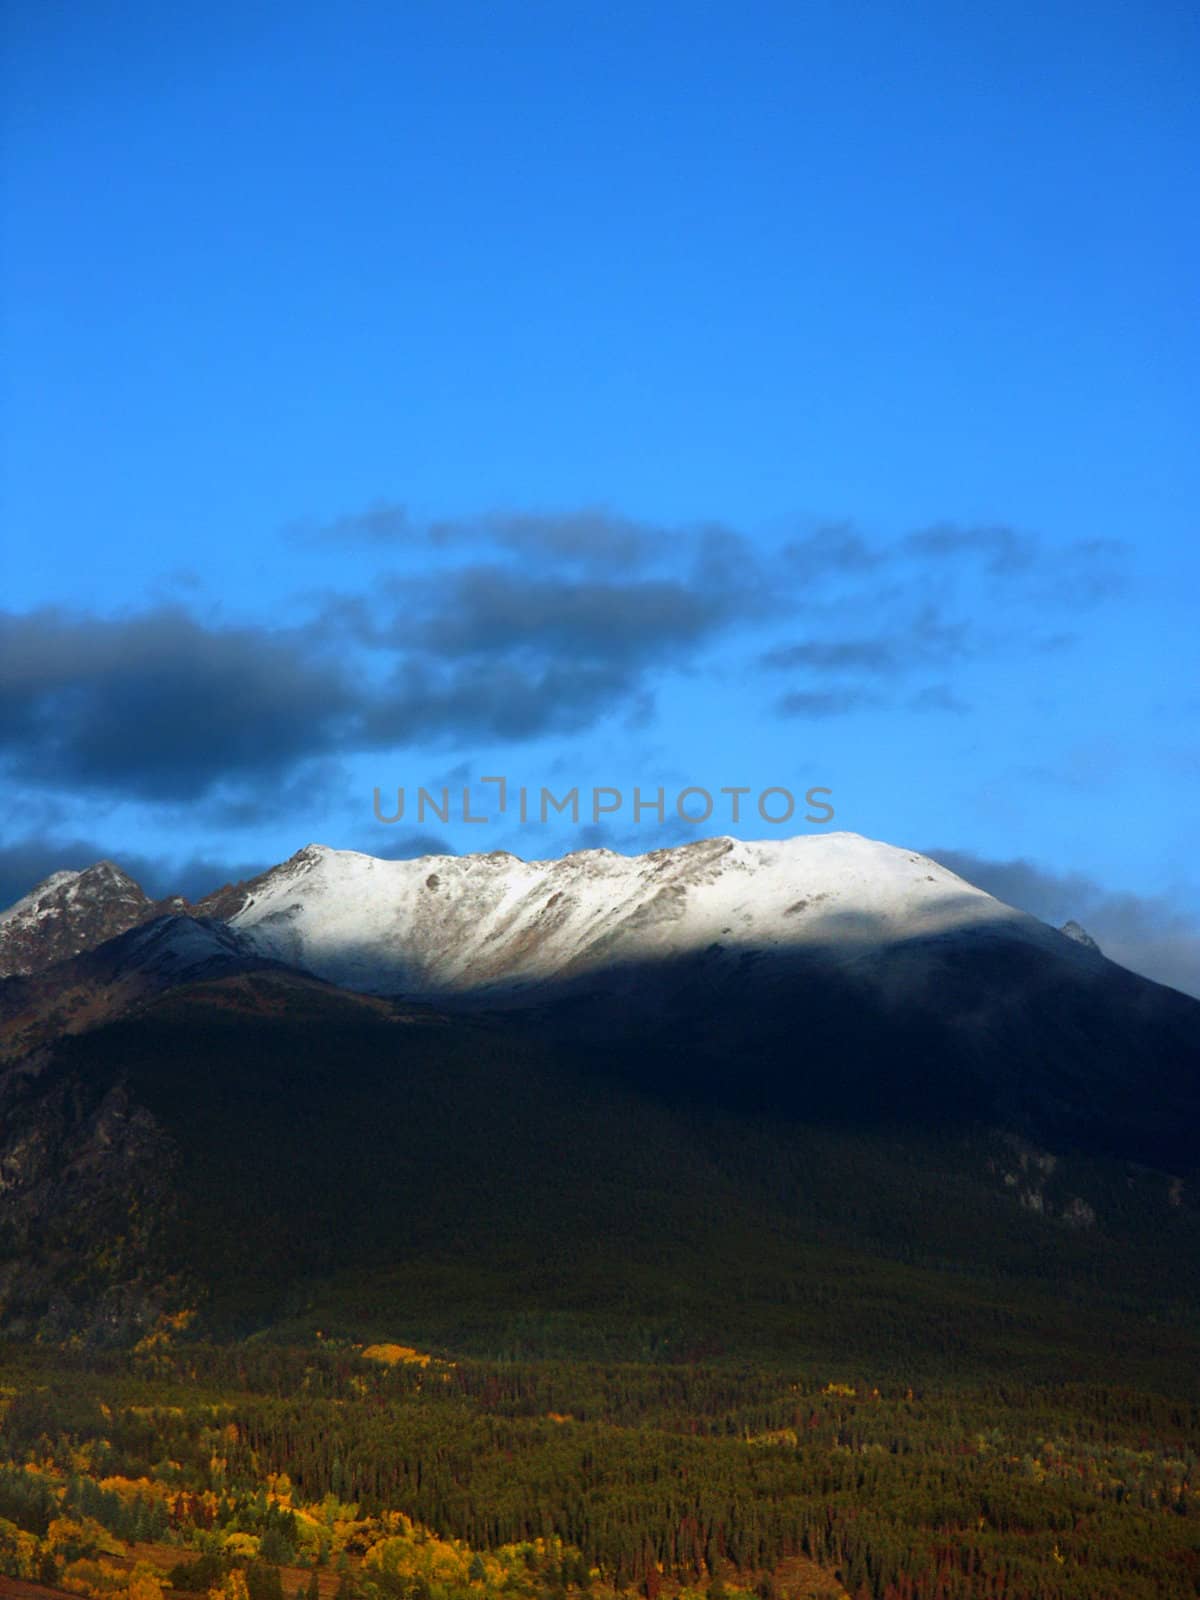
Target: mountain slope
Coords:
[[117, 976], [814, 1097], [357, 1165], [487, 924], [827, 975], [70, 912]]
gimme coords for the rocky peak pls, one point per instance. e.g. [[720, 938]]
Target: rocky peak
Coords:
[[1072, 930], [70, 912]]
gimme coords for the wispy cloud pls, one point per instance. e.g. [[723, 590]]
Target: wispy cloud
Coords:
[[819, 703], [944, 596], [383, 523], [925, 638], [999, 551], [590, 538]]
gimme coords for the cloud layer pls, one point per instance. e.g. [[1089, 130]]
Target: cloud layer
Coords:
[[1146, 933], [508, 627], [25, 863]]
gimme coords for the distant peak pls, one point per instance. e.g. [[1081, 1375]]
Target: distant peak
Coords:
[[67, 913], [101, 870]]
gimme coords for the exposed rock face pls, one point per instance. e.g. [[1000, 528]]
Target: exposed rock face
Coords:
[[85, 1195], [71, 912]]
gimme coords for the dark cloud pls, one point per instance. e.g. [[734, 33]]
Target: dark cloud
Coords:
[[1000, 551], [490, 649], [833, 548], [492, 611], [309, 789], [938, 697], [995, 550], [160, 707], [1074, 576], [925, 638], [592, 537], [821, 703], [1147, 933], [504, 699], [195, 876], [838, 669], [837, 655], [568, 621], [26, 863], [385, 522], [1071, 577], [406, 845]]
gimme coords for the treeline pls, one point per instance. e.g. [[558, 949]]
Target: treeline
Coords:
[[1067, 1493], [726, 1399], [848, 1494]]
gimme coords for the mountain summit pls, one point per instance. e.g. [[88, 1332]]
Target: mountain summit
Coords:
[[489, 924], [70, 912]]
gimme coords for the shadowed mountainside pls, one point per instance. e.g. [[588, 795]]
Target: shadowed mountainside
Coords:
[[930, 1130], [298, 1157]]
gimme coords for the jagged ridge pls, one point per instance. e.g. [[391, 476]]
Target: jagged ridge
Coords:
[[446, 924]]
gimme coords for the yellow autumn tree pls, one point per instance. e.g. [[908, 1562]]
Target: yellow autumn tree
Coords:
[[232, 1588], [144, 1583]]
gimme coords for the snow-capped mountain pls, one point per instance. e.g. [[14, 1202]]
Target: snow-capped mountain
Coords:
[[819, 972], [69, 912], [447, 924], [724, 966], [827, 988]]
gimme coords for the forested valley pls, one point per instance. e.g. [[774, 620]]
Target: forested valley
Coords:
[[272, 1472]]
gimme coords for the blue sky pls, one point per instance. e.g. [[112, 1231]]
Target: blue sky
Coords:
[[770, 395]]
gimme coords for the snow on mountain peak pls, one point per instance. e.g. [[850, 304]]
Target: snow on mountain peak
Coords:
[[68, 912], [28, 904], [455, 923]]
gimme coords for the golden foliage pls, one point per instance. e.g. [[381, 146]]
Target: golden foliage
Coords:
[[233, 1587], [145, 1583], [82, 1533], [242, 1546], [393, 1354], [97, 1579], [19, 1550]]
